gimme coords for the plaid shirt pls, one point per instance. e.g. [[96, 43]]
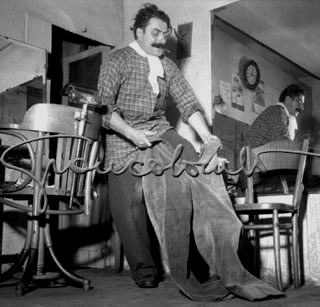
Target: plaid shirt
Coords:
[[271, 125], [124, 87]]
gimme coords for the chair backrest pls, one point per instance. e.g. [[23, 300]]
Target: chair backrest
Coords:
[[68, 136], [54, 118], [277, 155]]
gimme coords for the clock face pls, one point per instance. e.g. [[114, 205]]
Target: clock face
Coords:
[[250, 74]]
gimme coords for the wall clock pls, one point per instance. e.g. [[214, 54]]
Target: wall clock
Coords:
[[249, 74]]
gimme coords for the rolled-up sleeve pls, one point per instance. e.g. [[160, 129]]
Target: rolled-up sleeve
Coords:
[[183, 95], [108, 84]]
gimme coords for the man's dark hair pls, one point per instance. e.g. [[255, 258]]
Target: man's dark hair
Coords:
[[143, 16], [293, 90]]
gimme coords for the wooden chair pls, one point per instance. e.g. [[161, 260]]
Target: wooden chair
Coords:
[[60, 167], [280, 156]]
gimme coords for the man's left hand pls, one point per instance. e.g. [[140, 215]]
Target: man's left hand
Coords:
[[211, 137]]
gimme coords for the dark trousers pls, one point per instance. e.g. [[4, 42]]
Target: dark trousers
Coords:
[[131, 219]]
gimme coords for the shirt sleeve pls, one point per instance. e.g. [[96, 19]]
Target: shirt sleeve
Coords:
[[108, 85], [182, 93]]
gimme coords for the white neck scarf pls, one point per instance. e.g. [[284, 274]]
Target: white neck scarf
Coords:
[[293, 126], [155, 67]]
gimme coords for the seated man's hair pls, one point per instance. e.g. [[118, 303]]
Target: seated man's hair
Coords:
[[293, 90]]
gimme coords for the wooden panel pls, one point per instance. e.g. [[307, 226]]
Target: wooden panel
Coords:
[[232, 133]]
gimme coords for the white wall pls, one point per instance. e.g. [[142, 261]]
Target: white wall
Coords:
[[30, 21], [315, 85], [20, 63], [227, 54]]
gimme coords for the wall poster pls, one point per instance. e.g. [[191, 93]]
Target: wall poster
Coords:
[[237, 93], [225, 92], [258, 102]]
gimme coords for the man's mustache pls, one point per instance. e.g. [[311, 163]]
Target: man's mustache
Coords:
[[160, 46]]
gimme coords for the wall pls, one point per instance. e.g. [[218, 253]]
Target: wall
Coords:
[[197, 68], [315, 85], [227, 53], [30, 21], [229, 46], [26, 34], [20, 63]]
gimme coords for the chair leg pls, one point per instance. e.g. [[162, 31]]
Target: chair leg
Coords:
[[118, 253], [76, 279], [295, 251], [276, 242], [19, 261], [1, 234], [252, 235]]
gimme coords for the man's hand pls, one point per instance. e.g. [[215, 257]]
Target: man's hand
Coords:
[[140, 137], [211, 137], [198, 123]]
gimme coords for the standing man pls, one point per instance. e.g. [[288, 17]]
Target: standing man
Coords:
[[278, 121], [135, 83]]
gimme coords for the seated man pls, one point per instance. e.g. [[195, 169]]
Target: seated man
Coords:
[[276, 122], [134, 84]]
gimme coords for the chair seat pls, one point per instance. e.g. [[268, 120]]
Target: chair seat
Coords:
[[264, 207]]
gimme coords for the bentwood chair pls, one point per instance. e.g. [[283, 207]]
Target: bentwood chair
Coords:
[[57, 167], [276, 156]]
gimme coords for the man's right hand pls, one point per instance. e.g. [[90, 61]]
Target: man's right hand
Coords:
[[140, 137]]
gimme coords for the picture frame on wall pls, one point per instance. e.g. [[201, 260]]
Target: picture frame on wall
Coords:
[[184, 40]]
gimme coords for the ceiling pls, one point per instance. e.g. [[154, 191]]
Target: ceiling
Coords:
[[4, 43], [20, 64], [289, 27]]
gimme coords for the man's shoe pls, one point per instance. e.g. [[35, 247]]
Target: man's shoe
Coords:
[[147, 283]]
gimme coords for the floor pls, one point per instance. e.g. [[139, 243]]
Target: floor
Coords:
[[111, 289]]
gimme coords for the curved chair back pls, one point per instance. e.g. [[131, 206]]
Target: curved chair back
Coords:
[[68, 135], [46, 117], [58, 169], [280, 156]]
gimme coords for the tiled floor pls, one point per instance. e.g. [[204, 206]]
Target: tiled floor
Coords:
[[110, 289]]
